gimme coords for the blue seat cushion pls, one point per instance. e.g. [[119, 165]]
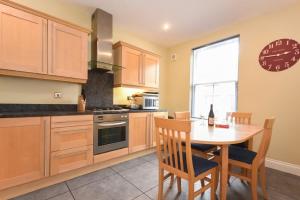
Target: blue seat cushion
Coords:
[[240, 154], [202, 147], [242, 145], [201, 165]]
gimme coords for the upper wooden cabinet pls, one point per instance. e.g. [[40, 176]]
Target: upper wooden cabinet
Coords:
[[67, 55], [140, 67], [23, 41], [36, 45], [151, 70], [24, 150]]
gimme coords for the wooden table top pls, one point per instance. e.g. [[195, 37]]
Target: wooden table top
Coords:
[[236, 133]]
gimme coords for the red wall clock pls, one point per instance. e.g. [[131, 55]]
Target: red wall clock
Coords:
[[280, 55]]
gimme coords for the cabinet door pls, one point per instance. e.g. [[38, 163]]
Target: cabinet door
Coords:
[[66, 160], [153, 130], [23, 150], [23, 41], [138, 131], [132, 62], [151, 71], [67, 51]]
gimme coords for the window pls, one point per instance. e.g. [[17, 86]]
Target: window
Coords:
[[215, 78]]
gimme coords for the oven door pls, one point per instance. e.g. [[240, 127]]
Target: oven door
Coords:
[[109, 136]]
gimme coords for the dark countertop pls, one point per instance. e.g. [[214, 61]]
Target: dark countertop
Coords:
[[42, 114], [144, 110], [39, 110]]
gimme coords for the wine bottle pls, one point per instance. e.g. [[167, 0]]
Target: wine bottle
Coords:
[[211, 116]]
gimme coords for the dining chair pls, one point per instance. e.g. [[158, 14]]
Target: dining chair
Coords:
[[240, 118], [183, 164], [202, 150], [253, 162]]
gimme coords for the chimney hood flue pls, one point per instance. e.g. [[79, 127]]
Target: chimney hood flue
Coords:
[[101, 52]]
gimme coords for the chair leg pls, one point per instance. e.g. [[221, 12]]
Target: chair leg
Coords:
[[217, 178], [191, 190], [213, 185], [262, 175], [178, 179], [254, 184], [229, 170], [172, 180], [161, 184]]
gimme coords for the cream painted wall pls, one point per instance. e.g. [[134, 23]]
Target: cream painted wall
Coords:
[[264, 93], [23, 90]]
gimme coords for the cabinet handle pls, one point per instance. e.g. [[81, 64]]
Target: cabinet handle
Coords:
[[69, 132], [72, 153]]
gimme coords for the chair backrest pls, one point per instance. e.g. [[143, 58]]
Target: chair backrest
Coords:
[[185, 115], [239, 117], [266, 139], [171, 134]]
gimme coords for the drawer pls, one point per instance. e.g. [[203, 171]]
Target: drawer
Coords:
[[66, 160], [66, 121], [71, 137]]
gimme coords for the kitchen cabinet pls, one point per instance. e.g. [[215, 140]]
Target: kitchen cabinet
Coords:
[[153, 130], [139, 126], [71, 143], [151, 70], [36, 45], [23, 43], [67, 51], [24, 150], [140, 67]]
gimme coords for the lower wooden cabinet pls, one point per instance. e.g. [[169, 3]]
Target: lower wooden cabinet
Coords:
[[71, 143], [153, 130], [139, 124], [142, 130], [66, 160], [24, 150]]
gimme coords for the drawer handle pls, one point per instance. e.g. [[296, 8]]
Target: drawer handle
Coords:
[[72, 153], [67, 132]]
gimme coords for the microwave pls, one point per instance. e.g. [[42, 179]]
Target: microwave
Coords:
[[147, 101]]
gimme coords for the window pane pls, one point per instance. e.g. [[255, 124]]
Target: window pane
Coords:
[[216, 63], [221, 95]]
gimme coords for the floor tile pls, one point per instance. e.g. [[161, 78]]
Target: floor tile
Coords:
[[142, 197], [65, 196], [150, 157], [88, 178], [128, 164], [110, 188], [144, 176], [45, 193]]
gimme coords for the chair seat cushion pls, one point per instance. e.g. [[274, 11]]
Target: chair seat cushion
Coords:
[[242, 145], [202, 147], [240, 154], [201, 165]]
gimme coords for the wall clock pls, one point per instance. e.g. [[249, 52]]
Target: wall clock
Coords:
[[280, 55]]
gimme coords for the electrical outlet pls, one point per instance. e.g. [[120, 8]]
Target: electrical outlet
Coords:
[[57, 95]]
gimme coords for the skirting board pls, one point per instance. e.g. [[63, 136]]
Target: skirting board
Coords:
[[283, 166]]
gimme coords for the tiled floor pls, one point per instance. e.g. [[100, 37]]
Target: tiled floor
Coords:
[[137, 179]]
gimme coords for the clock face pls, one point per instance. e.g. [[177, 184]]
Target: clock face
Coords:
[[280, 55]]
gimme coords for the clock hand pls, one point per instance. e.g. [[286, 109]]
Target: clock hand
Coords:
[[279, 54]]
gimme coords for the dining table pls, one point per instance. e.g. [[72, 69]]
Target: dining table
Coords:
[[223, 137]]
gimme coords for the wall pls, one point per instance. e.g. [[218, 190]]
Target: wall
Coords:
[[23, 90], [261, 92]]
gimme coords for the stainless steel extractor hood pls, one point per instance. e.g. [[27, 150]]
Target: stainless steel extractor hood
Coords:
[[102, 53]]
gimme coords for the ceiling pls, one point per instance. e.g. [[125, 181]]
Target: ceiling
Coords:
[[188, 19]]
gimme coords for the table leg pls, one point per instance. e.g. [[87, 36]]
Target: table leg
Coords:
[[224, 172]]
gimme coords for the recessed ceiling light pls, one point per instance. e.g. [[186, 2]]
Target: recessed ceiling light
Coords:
[[166, 26]]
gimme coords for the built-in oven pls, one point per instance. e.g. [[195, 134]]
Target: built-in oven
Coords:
[[110, 132]]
